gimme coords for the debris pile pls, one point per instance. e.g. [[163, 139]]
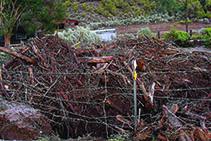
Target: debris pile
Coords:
[[90, 89]]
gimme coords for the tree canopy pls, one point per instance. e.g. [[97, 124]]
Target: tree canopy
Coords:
[[32, 14]]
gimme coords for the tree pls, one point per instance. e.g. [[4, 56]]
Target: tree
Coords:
[[168, 6], [32, 14], [10, 13]]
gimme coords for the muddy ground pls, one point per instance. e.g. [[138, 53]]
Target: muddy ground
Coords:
[[162, 27]]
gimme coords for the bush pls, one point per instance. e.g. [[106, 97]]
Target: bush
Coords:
[[84, 34], [174, 35], [84, 5], [206, 31], [89, 8], [184, 21], [208, 14], [84, 14], [75, 4], [206, 34], [68, 3], [144, 31], [111, 8]]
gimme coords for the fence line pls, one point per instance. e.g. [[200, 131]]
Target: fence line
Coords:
[[30, 92]]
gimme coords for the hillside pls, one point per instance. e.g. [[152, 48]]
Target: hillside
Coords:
[[132, 11]]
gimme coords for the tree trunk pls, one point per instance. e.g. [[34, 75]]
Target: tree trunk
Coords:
[[7, 41], [186, 15]]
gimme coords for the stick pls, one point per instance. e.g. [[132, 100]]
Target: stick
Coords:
[[96, 59], [27, 59]]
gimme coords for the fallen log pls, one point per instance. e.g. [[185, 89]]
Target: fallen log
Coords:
[[27, 59]]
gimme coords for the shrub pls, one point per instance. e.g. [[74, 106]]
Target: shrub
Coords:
[[85, 35], [89, 8], [119, 3], [126, 7], [75, 4], [208, 14], [100, 9], [174, 35], [145, 31], [107, 14], [111, 8], [184, 21], [84, 5], [68, 3], [205, 31], [208, 31]]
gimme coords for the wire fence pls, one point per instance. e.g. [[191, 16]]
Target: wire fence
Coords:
[[98, 98]]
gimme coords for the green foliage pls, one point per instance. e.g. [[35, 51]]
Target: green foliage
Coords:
[[59, 11], [110, 7], [47, 24], [174, 35], [208, 31], [89, 8], [68, 3], [126, 7], [195, 9], [149, 6], [85, 35], [205, 33], [100, 9], [32, 14], [119, 3], [30, 28], [169, 6], [10, 13], [84, 5], [184, 21], [140, 2], [84, 14], [208, 14], [136, 11], [144, 32], [133, 20], [75, 6]]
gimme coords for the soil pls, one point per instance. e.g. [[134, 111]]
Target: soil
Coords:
[[162, 27]]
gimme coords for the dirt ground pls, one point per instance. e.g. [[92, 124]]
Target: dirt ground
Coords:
[[162, 27]]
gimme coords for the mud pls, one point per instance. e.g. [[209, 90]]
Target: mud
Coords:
[[162, 27]]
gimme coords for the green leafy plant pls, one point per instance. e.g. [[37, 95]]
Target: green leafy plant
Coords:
[[89, 8], [84, 5], [174, 35], [80, 34], [208, 31], [144, 32], [205, 33], [75, 6], [184, 21], [68, 3]]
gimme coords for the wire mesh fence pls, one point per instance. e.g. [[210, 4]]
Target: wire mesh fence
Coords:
[[89, 90]]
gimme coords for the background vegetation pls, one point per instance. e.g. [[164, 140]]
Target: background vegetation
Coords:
[[102, 10]]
